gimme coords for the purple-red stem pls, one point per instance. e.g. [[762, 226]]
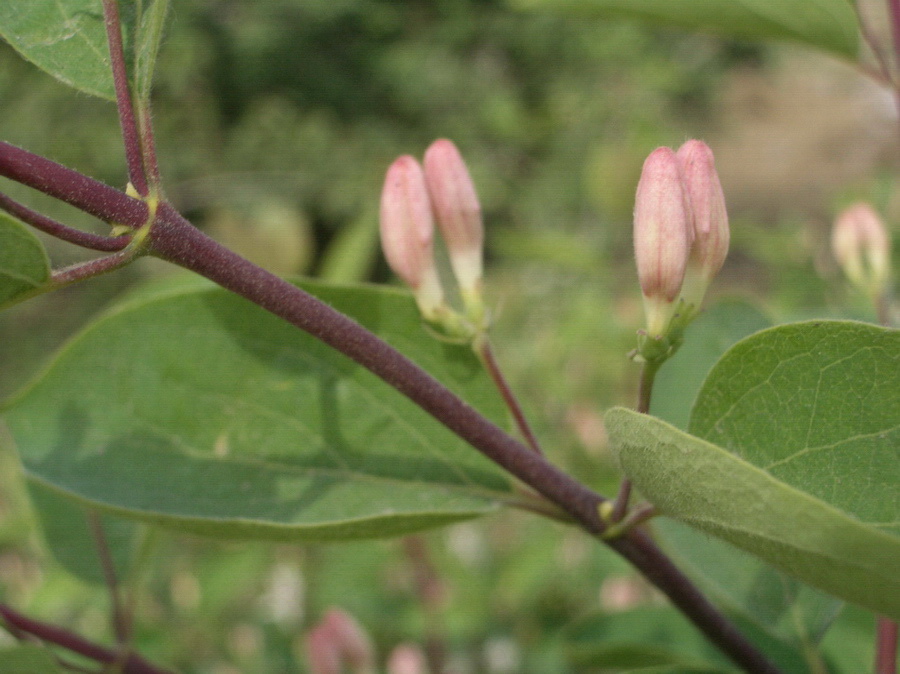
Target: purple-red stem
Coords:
[[174, 239], [85, 270], [645, 391], [61, 231], [127, 663], [886, 647], [894, 11], [490, 362], [130, 134], [121, 622]]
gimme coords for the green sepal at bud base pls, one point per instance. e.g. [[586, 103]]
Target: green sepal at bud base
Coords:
[[657, 349]]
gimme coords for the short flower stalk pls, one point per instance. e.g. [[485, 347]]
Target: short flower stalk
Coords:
[[415, 200]]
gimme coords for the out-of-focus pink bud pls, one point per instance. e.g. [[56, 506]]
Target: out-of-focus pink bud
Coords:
[[323, 654], [662, 236], [861, 245], [709, 220], [458, 214], [407, 659], [338, 640], [407, 231], [356, 647]]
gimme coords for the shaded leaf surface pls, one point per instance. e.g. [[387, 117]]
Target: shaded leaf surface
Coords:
[[71, 540], [830, 25], [201, 411], [23, 261], [643, 637], [27, 659]]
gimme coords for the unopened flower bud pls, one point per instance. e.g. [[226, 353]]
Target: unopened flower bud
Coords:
[[709, 220], [407, 231], [662, 236], [458, 216], [861, 245], [407, 659], [338, 640], [323, 655]]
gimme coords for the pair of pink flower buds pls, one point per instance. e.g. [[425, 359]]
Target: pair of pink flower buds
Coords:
[[411, 201], [681, 233]]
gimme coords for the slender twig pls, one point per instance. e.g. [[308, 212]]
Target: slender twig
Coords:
[[121, 622], [130, 135], [886, 647], [175, 239], [130, 663], [61, 231], [878, 51], [148, 147], [486, 354], [894, 11], [85, 270], [429, 589], [645, 390], [882, 302], [80, 271]]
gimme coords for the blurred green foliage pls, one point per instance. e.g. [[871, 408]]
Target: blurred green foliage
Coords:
[[287, 113]]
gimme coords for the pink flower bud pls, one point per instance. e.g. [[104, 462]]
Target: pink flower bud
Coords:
[[355, 644], [323, 655], [662, 236], [338, 640], [407, 659], [710, 219], [407, 230], [457, 211], [861, 245]]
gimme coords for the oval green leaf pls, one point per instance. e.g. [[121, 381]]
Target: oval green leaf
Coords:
[[830, 25], [778, 604], [67, 39], [200, 411], [711, 489], [816, 405], [24, 265]]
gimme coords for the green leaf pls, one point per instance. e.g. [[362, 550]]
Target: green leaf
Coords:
[[778, 604], [28, 659], [71, 540], [709, 488], [200, 411], [816, 405], [643, 637], [24, 265], [150, 30], [705, 340], [67, 38], [830, 25]]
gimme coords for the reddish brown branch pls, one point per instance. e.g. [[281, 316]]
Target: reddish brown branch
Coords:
[[130, 663]]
